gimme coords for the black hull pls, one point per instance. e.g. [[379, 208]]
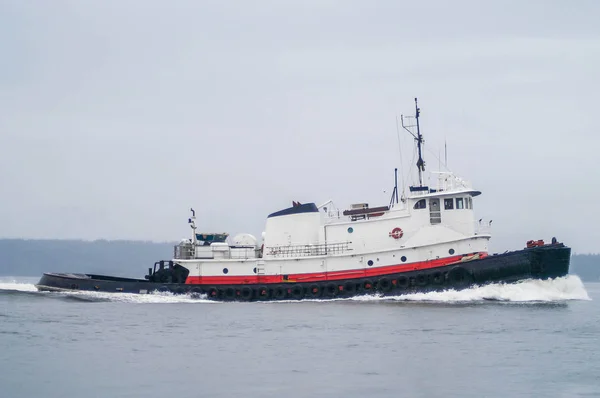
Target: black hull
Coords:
[[543, 262]]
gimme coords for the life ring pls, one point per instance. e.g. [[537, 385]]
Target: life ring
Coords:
[[397, 233]]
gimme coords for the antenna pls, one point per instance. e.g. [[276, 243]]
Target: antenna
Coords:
[[401, 160], [445, 154], [419, 139], [394, 198]]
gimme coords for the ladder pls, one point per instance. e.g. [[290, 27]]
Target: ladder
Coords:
[[260, 267]]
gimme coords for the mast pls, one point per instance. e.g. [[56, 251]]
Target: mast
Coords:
[[419, 139], [192, 222], [396, 183]]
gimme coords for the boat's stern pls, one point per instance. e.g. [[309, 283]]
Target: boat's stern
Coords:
[[56, 282]]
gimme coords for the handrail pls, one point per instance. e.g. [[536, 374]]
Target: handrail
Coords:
[[308, 250]]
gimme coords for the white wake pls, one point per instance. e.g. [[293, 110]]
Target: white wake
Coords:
[[560, 289], [566, 288], [20, 285], [14, 284], [151, 298]]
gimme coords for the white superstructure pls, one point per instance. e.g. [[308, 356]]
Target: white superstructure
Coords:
[[428, 227]]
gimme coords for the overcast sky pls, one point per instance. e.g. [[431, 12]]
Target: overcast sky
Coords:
[[116, 117]]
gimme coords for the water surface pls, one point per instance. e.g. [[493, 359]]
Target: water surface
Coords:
[[535, 338]]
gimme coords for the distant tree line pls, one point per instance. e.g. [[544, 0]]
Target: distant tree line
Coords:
[[23, 257], [586, 266]]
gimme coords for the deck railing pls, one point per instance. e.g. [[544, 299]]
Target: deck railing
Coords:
[[308, 250], [483, 227], [184, 252]]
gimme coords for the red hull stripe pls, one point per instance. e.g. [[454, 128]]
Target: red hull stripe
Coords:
[[324, 276]]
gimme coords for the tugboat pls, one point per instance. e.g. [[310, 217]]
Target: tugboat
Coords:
[[429, 240]]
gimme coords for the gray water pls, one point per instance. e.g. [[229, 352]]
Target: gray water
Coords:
[[534, 339]]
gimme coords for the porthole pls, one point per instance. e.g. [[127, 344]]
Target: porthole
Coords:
[[403, 258], [451, 251], [254, 270], [225, 270], [370, 262], [350, 230]]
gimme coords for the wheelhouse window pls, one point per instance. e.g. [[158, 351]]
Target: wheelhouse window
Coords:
[[448, 204], [469, 203], [421, 204], [459, 203]]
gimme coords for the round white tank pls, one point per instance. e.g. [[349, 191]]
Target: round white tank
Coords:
[[246, 240]]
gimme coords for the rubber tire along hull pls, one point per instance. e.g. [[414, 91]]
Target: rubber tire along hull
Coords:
[[543, 262]]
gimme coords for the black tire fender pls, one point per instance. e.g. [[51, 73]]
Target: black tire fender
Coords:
[[402, 282], [246, 293], [349, 287], [279, 293], [460, 275], [421, 280], [331, 289], [262, 293], [230, 293], [314, 291], [298, 292], [384, 285], [367, 285]]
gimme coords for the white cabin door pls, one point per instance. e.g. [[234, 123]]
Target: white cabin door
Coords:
[[435, 214], [260, 270]]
